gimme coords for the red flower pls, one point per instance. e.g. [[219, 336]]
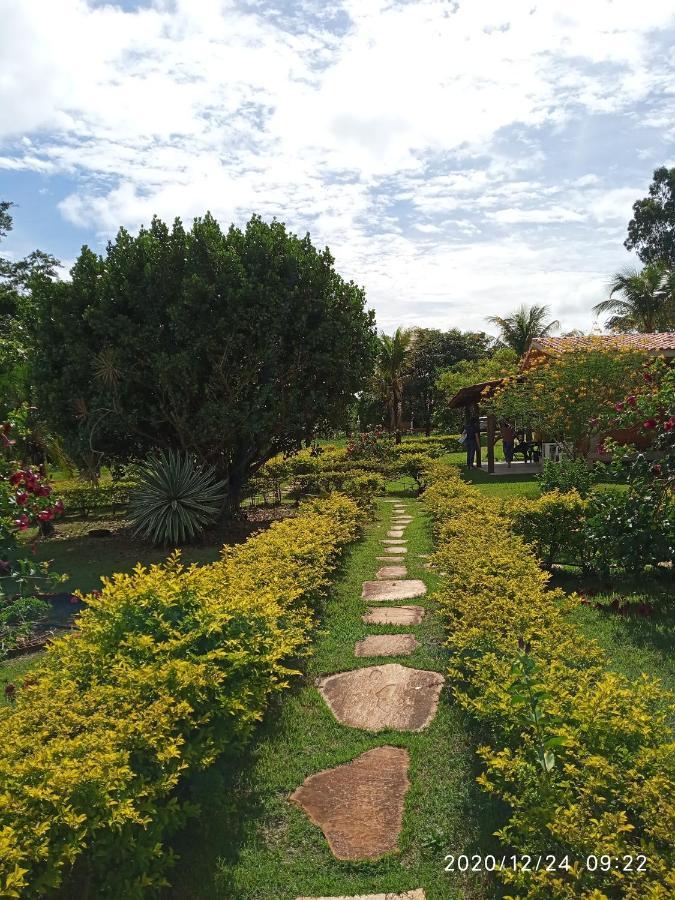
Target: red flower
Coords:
[[43, 490], [16, 478], [21, 498], [670, 424], [22, 522], [631, 401], [656, 469], [58, 507], [618, 406], [647, 376], [649, 423], [46, 515]]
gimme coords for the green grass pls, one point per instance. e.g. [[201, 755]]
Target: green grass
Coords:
[[635, 644], [251, 843], [13, 671]]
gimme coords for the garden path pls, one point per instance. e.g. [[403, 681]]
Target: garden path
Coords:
[[359, 806]]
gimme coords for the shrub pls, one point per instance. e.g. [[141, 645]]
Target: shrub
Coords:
[[175, 499], [582, 756], [553, 525], [567, 475], [625, 530], [87, 499], [171, 667], [356, 483]]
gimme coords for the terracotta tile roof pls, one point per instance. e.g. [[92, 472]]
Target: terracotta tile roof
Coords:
[[648, 342]]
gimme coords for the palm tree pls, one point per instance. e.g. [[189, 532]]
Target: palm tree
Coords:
[[520, 328], [646, 301], [391, 361]]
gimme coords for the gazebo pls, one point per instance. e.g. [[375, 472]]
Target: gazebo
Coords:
[[469, 398]]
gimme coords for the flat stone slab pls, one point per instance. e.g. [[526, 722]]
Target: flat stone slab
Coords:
[[379, 698], [386, 645], [395, 549], [359, 806], [402, 520], [391, 572], [409, 895], [393, 560], [394, 615], [393, 541], [405, 589], [395, 533]]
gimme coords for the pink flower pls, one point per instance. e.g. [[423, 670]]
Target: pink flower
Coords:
[[631, 401], [16, 478], [618, 406], [21, 498], [649, 423], [22, 522], [669, 424]]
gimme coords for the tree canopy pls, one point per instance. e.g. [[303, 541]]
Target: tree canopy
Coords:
[[390, 374], [640, 300], [234, 346], [651, 231], [431, 352], [519, 329]]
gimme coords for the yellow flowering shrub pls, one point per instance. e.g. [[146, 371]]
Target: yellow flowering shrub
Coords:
[[551, 524], [171, 667], [584, 758]]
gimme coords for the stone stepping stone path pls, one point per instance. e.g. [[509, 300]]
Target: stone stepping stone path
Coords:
[[394, 615], [408, 895], [404, 589], [359, 806], [383, 698], [386, 645], [391, 572]]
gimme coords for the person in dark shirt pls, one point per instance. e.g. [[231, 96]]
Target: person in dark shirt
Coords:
[[508, 433], [472, 443]]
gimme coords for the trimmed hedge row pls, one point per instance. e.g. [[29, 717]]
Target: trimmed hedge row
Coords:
[[84, 500], [171, 667], [584, 758]]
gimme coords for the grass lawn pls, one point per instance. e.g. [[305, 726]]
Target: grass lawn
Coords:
[[13, 671], [250, 843], [635, 643]]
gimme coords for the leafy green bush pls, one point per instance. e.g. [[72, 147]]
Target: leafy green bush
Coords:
[[553, 525], [87, 499], [583, 758], [567, 475], [170, 668], [175, 499]]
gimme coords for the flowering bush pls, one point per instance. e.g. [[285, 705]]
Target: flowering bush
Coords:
[[371, 445], [567, 475], [171, 667], [26, 501], [582, 757]]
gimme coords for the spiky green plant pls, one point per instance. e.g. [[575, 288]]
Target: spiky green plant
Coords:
[[175, 499]]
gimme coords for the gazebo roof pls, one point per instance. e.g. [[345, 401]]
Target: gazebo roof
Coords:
[[474, 393], [657, 343]]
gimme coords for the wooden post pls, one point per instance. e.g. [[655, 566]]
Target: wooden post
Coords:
[[491, 439], [475, 414]]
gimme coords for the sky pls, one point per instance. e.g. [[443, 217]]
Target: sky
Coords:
[[459, 157]]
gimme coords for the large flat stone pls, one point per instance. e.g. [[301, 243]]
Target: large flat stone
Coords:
[[395, 533], [401, 520], [392, 541], [394, 615], [391, 572], [359, 806], [408, 895], [386, 645], [379, 698], [392, 560], [396, 548], [404, 589]]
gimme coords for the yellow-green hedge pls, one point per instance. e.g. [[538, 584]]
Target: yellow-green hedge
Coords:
[[171, 667], [607, 785]]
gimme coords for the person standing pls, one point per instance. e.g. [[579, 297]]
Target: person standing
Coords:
[[472, 432], [508, 433]]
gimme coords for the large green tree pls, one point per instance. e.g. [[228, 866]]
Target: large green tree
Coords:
[[651, 231], [640, 300], [431, 352], [500, 363], [17, 316], [522, 326], [390, 374], [232, 345]]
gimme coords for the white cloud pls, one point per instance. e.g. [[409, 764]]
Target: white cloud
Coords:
[[412, 143]]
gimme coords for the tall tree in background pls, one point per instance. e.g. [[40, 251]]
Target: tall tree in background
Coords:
[[640, 300], [651, 231], [390, 375], [432, 351], [519, 329], [17, 316], [232, 346]]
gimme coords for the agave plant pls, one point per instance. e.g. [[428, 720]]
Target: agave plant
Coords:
[[175, 498]]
